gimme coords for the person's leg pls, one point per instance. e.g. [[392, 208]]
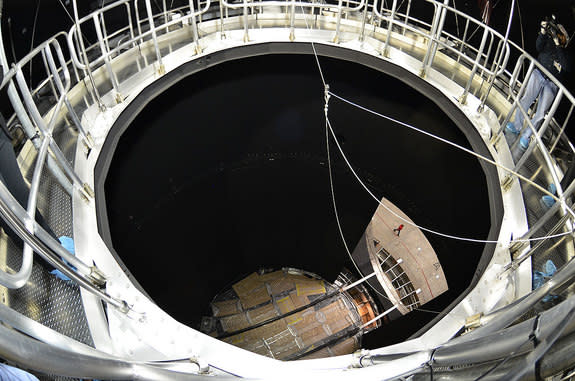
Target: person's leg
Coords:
[[546, 98], [531, 91]]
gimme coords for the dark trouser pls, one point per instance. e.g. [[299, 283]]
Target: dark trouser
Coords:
[[12, 178]]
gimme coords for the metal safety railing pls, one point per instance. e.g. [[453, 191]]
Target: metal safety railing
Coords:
[[552, 149], [40, 130], [95, 67]]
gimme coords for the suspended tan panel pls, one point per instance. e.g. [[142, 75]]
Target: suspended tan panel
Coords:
[[226, 307], [262, 313], [286, 304], [309, 287], [255, 298], [246, 285]]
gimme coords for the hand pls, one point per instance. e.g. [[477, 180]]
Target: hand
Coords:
[[557, 66], [544, 27]]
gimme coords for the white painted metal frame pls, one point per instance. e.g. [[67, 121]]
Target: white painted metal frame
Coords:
[[135, 328]]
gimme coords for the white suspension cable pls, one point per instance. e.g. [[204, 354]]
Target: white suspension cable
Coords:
[[402, 218], [473, 153], [67, 12], [326, 101], [443, 140], [332, 190], [32, 38], [327, 129], [73, 21], [313, 47]]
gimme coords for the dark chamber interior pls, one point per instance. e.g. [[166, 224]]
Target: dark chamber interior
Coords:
[[226, 172]]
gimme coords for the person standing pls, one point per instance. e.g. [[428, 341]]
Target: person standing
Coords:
[[550, 44], [398, 229]]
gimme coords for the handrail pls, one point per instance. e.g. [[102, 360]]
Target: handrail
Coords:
[[515, 78], [297, 4], [32, 197], [541, 68], [43, 244], [49, 358], [537, 134], [20, 278], [107, 53], [28, 57], [37, 239], [435, 40], [439, 6], [479, 52]]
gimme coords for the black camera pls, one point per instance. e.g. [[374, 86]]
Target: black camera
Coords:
[[555, 30], [552, 27]]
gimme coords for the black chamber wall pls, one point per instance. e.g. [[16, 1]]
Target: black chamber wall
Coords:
[[226, 172]]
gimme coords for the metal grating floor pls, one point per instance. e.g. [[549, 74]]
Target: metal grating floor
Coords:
[[51, 301]]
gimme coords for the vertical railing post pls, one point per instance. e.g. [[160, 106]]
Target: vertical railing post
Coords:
[[165, 9], [505, 47], [363, 23], [432, 36], [27, 125], [550, 113], [131, 25], [104, 29], [539, 243], [537, 135], [385, 52], [54, 76], [245, 16], [197, 49], [106, 57], [84, 55], [516, 105], [138, 21], [407, 11], [161, 69], [292, 21], [463, 97], [562, 131], [87, 192], [542, 221], [222, 30], [88, 140], [439, 29], [338, 22], [463, 40], [50, 78]]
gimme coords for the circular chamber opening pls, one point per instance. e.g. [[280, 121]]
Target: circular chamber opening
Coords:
[[226, 173]]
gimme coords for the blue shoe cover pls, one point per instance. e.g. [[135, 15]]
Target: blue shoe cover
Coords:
[[552, 188], [547, 201], [59, 274], [510, 127], [68, 244]]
